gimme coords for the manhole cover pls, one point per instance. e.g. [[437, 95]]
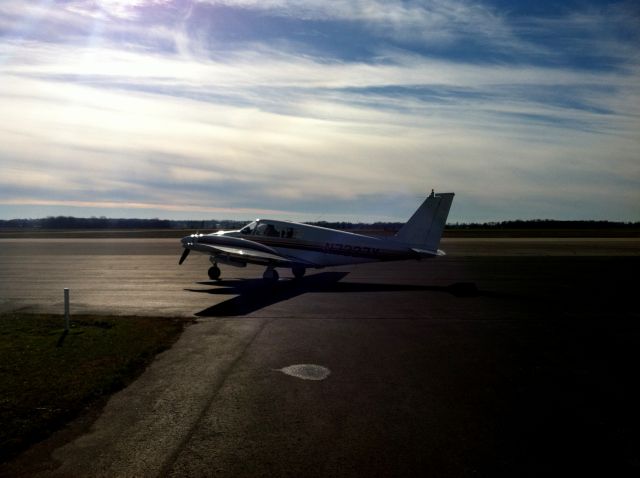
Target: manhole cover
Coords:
[[306, 371]]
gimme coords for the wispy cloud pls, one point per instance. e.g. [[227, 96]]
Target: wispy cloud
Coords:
[[430, 20], [135, 105]]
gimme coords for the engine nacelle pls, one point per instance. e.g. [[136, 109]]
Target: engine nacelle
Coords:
[[230, 261]]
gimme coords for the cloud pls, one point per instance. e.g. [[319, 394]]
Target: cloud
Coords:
[[119, 9], [271, 127], [436, 20]]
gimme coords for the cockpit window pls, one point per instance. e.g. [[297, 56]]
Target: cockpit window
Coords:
[[267, 229], [271, 231], [249, 228], [262, 228]]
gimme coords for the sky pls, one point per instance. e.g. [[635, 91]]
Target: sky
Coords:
[[319, 110]]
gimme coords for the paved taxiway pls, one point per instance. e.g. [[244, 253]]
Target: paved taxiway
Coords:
[[531, 374]]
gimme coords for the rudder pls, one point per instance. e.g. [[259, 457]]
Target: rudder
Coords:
[[425, 227]]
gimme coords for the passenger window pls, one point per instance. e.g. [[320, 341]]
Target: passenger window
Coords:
[[271, 231], [260, 230]]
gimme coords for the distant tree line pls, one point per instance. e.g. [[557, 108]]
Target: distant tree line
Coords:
[[69, 222], [545, 224]]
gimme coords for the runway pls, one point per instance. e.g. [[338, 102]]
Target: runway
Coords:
[[531, 371], [141, 276]]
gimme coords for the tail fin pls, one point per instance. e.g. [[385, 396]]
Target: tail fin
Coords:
[[425, 227]]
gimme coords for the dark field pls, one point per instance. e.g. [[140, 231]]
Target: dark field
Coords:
[[530, 373], [47, 374]]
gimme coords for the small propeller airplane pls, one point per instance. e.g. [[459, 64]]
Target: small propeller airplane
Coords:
[[301, 246]]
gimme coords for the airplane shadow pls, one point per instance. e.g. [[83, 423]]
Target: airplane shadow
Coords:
[[255, 294]]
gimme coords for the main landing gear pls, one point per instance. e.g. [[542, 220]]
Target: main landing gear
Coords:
[[298, 271], [271, 275]]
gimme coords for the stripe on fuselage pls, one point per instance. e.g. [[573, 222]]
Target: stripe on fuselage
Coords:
[[337, 249]]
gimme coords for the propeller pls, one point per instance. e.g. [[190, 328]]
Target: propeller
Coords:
[[184, 255], [193, 239]]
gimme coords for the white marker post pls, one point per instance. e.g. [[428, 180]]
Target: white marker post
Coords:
[[66, 309]]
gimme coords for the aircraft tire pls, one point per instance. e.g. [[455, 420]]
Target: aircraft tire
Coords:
[[214, 273], [271, 275], [298, 272]]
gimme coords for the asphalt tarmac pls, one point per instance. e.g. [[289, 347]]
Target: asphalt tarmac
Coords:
[[509, 357]]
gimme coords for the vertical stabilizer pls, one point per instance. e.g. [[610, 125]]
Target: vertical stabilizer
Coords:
[[425, 227]]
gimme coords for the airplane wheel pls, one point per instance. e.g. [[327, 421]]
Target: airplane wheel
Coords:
[[271, 275], [214, 273], [298, 272]]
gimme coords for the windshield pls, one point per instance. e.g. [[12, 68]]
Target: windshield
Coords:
[[249, 228]]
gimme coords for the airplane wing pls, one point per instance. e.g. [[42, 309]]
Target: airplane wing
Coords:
[[243, 250], [246, 255]]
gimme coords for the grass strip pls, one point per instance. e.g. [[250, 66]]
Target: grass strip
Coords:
[[47, 376]]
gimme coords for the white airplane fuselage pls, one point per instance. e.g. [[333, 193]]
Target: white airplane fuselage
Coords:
[[275, 243], [325, 247]]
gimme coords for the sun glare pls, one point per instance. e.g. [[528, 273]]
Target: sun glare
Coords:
[[120, 8]]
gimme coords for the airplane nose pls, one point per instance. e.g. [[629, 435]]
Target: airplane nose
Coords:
[[190, 239]]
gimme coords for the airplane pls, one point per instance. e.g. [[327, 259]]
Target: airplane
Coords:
[[284, 244]]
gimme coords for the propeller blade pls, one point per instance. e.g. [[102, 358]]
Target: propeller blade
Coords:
[[184, 255]]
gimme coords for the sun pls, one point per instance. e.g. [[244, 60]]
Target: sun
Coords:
[[124, 8]]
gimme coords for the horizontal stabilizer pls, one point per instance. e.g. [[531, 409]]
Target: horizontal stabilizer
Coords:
[[424, 252]]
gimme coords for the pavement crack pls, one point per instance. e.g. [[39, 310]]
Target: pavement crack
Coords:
[[170, 461]]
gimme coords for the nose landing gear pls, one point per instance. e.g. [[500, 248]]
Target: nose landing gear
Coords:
[[214, 272]]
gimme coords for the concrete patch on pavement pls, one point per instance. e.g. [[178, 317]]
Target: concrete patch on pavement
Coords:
[[306, 371]]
